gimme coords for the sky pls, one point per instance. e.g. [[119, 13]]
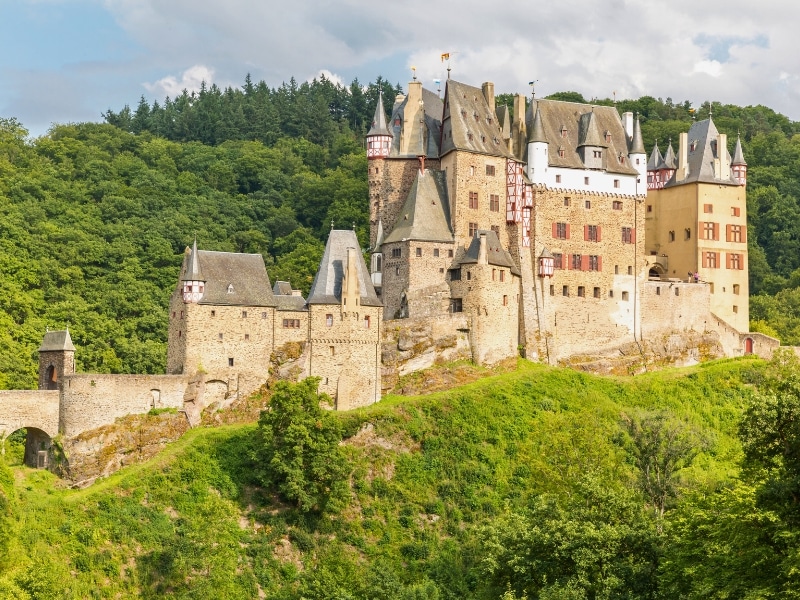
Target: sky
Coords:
[[71, 60]]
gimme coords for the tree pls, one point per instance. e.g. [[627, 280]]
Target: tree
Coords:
[[297, 450]]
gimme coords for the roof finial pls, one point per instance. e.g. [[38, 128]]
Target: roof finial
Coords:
[[533, 88], [414, 72]]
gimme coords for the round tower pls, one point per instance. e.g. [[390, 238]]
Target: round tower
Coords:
[[738, 165], [538, 160], [379, 138], [379, 144]]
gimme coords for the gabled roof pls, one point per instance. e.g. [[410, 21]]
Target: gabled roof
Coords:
[[504, 120], [425, 215], [231, 279], [379, 126], [327, 286], [495, 253], [588, 132], [637, 144], [422, 142], [561, 124], [57, 341], [703, 135], [669, 161], [469, 124]]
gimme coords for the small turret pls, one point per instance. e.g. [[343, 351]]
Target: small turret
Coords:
[[653, 165], [56, 359], [738, 165], [379, 138], [193, 282], [537, 150], [636, 152]]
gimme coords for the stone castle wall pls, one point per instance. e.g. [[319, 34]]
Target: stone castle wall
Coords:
[[29, 408]]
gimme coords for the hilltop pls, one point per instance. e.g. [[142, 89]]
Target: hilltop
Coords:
[[439, 488]]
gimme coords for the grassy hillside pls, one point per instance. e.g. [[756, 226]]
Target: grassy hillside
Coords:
[[437, 483]]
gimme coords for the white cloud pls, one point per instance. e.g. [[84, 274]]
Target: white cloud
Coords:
[[709, 67], [190, 80]]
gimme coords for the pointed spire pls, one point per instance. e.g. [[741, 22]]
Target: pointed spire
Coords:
[[193, 273], [379, 123], [637, 145], [537, 129], [738, 155], [655, 158], [379, 237], [589, 133], [669, 161]]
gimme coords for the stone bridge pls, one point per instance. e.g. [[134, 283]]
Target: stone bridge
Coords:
[[33, 410]]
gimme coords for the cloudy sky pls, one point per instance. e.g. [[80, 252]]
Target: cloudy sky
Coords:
[[70, 60]]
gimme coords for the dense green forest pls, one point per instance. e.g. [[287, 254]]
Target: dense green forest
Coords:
[[544, 483], [94, 217]]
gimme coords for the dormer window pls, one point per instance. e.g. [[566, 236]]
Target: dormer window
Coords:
[[608, 136], [561, 152], [563, 131], [230, 288], [397, 122], [693, 146]]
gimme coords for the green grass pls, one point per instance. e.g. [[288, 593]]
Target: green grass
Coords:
[[193, 522]]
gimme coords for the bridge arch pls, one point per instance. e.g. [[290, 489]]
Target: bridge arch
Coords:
[[36, 411]]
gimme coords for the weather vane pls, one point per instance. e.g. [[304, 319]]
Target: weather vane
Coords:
[[533, 87]]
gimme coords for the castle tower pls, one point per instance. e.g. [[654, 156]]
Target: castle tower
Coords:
[[379, 138], [56, 359], [738, 165], [193, 282], [537, 151], [636, 151]]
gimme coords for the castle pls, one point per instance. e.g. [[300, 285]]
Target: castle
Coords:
[[546, 233]]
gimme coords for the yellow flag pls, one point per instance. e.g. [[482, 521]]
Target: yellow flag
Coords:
[[445, 56]]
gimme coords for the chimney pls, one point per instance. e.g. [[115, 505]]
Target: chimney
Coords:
[[627, 122], [722, 153], [488, 93], [683, 157], [483, 254]]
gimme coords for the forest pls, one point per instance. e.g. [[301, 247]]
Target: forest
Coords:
[[94, 217]]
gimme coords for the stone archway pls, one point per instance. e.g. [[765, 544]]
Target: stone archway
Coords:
[[37, 444], [748, 345]]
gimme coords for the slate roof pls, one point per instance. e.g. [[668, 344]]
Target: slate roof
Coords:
[[246, 273], [670, 161], [428, 140], [701, 160], [425, 215], [738, 156], [55, 341], [588, 132], [379, 126], [655, 158], [468, 124], [495, 253], [558, 115], [537, 131], [637, 144], [285, 298], [193, 273], [327, 286]]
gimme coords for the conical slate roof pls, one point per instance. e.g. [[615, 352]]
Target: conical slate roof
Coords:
[[588, 132], [379, 124], [738, 156], [537, 130], [425, 215], [637, 145], [327, 286], [669, 161], [193, 271], [655, 160]]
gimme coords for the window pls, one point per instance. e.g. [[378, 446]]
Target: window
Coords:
[[496, 229], [213, 313], [230, 362], [246, 337], [436, 253], [490, 170], [471, 168], [450, 253], [244, 314], [455, 274], [708, 208], [616, 205], [588, 204], [630, 270], [473, 229], [735, 261], [671, 236], [502, 275], [558, 260], [332, 350], [591, 233], [505, 300], [558, 178], [456, 305], [581, 292], [649, 208], [627, 235], [419, 252], [616, 183], [469, 275], [687, 234], [735, 309], [616, 269], [594, 262], [494, 202], [677, 291], [625, 296], [585, 181], [576, 262], [397, 252], [219, 336], [596, 292], [561, 231], [366, 322], [552, 290], [494, 274], [710, 231], [565, 290], [658, 290], [294, 323], [710, 260], [397, 270], [597, 153], [263, 315], [561, 153], [566, 200], [329, 320], [735, 211], [735, 233], [473, 199]]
